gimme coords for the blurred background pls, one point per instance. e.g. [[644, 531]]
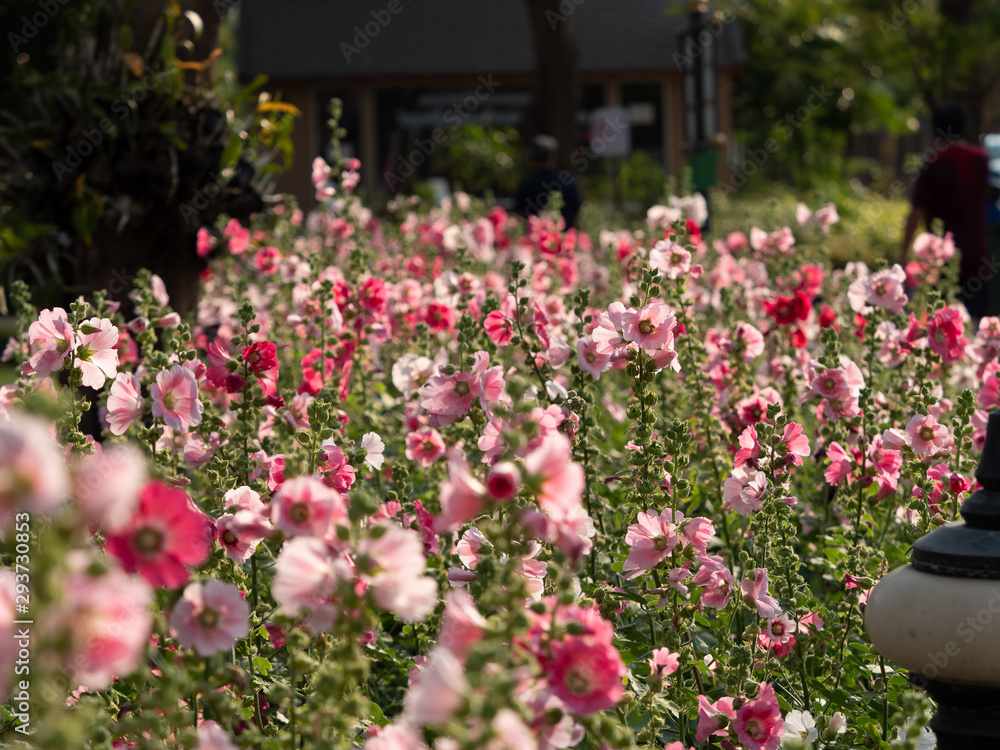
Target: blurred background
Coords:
[[126, 126]]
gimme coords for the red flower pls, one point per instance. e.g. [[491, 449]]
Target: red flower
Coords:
[[788, 310], [166, 535], [262, 357]]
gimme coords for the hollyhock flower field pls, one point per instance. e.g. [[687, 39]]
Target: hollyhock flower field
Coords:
[[446, 480]]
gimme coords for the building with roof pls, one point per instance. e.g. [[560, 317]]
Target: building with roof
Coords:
[[406, 67]]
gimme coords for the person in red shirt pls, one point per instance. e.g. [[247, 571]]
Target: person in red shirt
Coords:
[[952, 186]]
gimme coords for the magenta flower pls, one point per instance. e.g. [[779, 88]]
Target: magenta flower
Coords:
[[175, 398], [210, 617], [758, 724], [262, 357], [425, 446], [651, 539], [755, 594], [167, 535], [51, 339], [586, 674]]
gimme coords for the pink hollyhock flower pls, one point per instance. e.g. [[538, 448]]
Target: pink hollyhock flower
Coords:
[[585, 674], [503, 481], [125, 403], [758, 724], [698, 531], [306, 576], [607, 333], [885, 289], [753, 409], [499, 324], [663, 662], [204, 243], [51, 339], [780, 628], [462, 625], [780, 242], [755, 594], [925, 436], [749, 448], [590, 359], [795, 442], [425, 446], [946, 334], [391, 560], [336, 471], [165, 536], [107, 485], [400, 736], [267, 259], [373, 296], [32, 469], [374, 450], [238, 237], [935, 250], [104, 622], [306, 506], [450, 396], [175, 398], [210, 617], [712, 718], [241, 532], [841, 463], [650, 540], [651, 327], [262, 357], [744, 490], [717, 581], [462, 495], [439, 317], [213, 737], [468, 547], [561, 479], [670, 259], [437, 691], [511, 732], [96, 352]]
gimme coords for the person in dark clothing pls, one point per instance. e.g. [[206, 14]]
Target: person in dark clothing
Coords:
[[533, 192], [952, 186]]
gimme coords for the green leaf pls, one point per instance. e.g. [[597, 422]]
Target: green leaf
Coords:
[[261, 664]]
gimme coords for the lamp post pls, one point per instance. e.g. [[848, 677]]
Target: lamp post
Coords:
[[939, 617]]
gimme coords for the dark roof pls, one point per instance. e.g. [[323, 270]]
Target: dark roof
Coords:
[[304, 38]]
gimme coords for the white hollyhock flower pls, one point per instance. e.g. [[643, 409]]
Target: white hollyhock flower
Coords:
[[374, 446], [799, 725]]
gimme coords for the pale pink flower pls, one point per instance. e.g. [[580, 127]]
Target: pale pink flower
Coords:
[[512, 733], [607, 333], [32, 469], [758, 723], [107, 486], [241, 532], [462, 625], [755, 594], [306, 575], [935, 250], [780, 628], [52, 340], [393, 565], [104, 621], [374, 450], [96, 352], [651, 540], [590, 359], [925, 436], [437, 691], [651, 327], [175, 398], [744, 490], [841, 463], [399, 736], [468, 547], [717, 581], [663, 662], [670, 259], [210, 617], [698, 531], [425, 446], [885, 289], [308, 507], [125, 403], [213, 737]]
